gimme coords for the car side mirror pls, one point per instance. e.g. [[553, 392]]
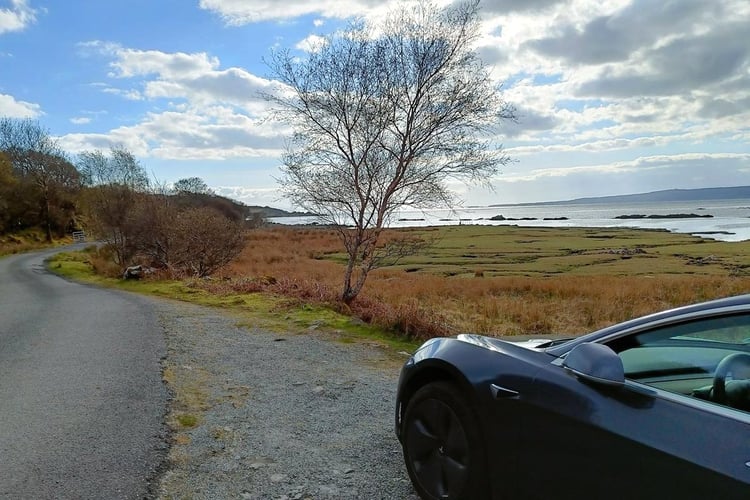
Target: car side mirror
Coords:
[[595, 363]]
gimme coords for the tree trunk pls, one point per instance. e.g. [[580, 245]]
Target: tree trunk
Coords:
[[348, 294], [47, 222], [352, 291]]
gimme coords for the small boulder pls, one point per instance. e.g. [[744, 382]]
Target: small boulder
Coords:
[[135, 272]]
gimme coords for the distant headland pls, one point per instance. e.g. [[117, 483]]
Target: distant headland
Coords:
[[675, 195], [702, 194], [275, 212]]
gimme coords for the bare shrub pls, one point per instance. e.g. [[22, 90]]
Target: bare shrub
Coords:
[[152, 230], [102, 262], [157, 230], [204, 240]]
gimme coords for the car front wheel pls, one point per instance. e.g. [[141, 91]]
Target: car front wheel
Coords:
[[442, 445]]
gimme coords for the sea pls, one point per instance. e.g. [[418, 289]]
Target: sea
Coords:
[[729, 219]]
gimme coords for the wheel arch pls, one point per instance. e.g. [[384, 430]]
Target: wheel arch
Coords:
[[435, 371], [464, 397]]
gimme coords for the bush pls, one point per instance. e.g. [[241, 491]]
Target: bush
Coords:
[[204, 240]]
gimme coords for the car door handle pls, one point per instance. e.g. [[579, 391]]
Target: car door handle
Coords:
[[500, 392]]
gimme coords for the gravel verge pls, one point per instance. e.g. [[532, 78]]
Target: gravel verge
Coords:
[[262, 415]]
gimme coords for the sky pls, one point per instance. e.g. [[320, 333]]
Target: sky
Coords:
[[612, 96]]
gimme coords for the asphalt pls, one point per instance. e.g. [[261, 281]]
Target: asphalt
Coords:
[[82, 401]]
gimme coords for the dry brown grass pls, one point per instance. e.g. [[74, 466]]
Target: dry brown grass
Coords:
[[306, 264], [27, 241]]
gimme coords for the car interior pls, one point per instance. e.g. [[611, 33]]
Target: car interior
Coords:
[[707, 359]]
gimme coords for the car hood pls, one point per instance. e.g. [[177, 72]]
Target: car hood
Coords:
[[495, 343]]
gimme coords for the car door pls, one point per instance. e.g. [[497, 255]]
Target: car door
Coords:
[[650, 437]]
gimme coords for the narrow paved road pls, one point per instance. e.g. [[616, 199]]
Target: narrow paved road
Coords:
[[81, 396]]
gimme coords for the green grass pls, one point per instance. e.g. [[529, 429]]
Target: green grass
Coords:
[[347, 329], [539, 252], [187, 420]]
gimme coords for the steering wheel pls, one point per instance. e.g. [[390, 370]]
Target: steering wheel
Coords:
[[728, 364]]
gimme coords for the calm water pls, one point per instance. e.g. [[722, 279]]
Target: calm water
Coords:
[[730, 221]]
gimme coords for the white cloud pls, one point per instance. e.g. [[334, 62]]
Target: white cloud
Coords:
[[13, 108], [196, 77], [130, 63], [80, 120], [239, 12], [212, 113], [687, 161], [586, 81], [130, 94], [506, 6], [76, 142], [312, 43], [253, 196], [18, 17], [216, 133]]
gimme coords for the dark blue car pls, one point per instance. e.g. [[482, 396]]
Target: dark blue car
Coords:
[[656, 407]]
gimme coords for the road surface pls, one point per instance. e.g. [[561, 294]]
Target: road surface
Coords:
[[82, 401]]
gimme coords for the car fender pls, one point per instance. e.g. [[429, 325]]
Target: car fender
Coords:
[[493, 380]]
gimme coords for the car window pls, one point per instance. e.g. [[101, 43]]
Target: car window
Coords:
[[734, 329], [707, 359]]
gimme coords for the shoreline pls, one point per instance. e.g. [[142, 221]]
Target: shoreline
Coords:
[[724, 220], [714, 234]]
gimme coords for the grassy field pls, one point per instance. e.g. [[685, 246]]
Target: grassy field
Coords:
[[497, 280], [504, 280]]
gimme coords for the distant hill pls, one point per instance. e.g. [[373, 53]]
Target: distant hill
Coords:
[[273, 212], [721, 193]]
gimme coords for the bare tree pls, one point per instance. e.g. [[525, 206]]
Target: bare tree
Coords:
[[192, 185], [383, 117], [119, 167], [8, 184], [149, 228], [116, 184], [37, 158]]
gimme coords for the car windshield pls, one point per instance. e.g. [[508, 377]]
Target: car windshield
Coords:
[[732, 330]]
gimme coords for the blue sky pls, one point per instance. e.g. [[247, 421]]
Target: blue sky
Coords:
[[613, 96]]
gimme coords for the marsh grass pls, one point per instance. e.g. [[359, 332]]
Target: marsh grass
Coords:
[[501, 280]]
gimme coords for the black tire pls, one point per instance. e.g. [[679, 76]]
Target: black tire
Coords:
[[442, 445]]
